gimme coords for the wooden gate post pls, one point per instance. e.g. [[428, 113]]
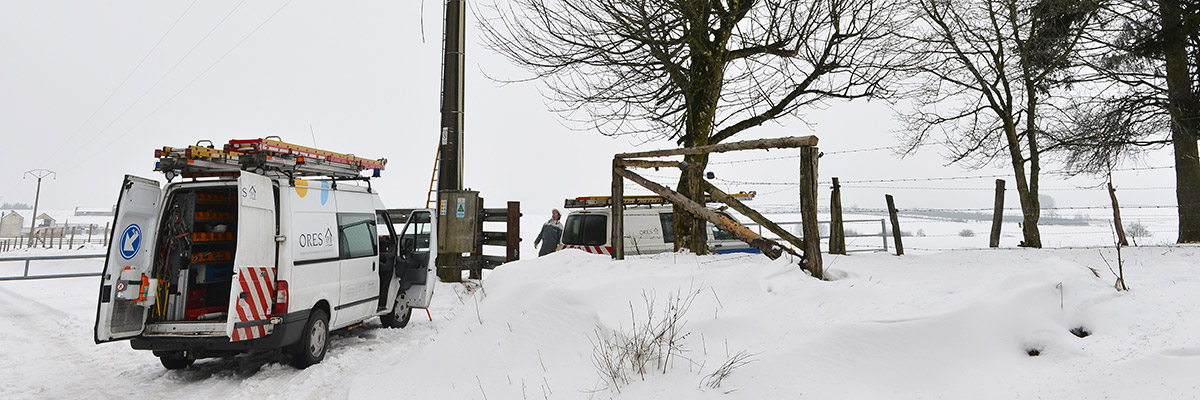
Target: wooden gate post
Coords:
[[895, 225], [512, 232], [808, 211], [998, 215], [617, 237], [837, 232]]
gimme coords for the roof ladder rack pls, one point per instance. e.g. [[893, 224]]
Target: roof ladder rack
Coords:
[[262, 156]]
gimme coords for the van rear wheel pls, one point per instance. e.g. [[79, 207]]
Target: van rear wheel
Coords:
[[313, 341], [176, 361]]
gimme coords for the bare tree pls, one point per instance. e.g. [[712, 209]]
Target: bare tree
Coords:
[[989, 71], [1146, 60], [694, 71]]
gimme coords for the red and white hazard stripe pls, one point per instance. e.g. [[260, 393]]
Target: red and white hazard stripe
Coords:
[[606, 250], [259, 285]]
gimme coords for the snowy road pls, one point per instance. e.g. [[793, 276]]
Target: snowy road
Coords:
[[48, 352]]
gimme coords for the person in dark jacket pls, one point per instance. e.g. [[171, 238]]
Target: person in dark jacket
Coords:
[[551, 233]]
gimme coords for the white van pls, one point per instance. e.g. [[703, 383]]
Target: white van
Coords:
[[648, 230], [210, 268]]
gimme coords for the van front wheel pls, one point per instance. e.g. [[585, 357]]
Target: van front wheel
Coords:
[[399, 316], [313, 341]]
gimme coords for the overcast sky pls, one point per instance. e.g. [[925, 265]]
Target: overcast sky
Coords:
[[364, 77]]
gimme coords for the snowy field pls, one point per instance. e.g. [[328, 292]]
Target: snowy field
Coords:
[[930, 324]]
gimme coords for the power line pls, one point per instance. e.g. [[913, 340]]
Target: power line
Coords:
[[202, 73], [164, 76], [120, 85]]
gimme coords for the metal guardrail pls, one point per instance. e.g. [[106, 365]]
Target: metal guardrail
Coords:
[[27, 259]]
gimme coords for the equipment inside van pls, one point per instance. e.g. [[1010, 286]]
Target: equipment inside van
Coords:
[[649, 226], [267, 245]]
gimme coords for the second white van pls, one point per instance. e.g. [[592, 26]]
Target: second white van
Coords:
[[648, 230]]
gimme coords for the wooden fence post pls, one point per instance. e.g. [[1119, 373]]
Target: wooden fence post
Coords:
[[474, 264], [998, 215], [71, 244], [618, 213], [1112, 194], [808, 211], [512, 236], [837, 231], [104, 235], [895, 225]]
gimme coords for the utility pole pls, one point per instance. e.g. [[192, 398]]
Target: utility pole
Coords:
[[39, 174], [450, 175], [450, 165]]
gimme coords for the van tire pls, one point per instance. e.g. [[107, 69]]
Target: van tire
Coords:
[[399, 316], [176, 361], [314, 340]]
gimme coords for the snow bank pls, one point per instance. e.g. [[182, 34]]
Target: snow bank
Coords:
[[955, 325]]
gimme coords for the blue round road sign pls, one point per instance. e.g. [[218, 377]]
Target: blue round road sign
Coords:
[[131, 241]]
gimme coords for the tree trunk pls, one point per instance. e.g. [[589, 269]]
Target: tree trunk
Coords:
[[1117, 224], [706, 74], [690, 229], [1030, 210], [1031, 216], [1182, 104]]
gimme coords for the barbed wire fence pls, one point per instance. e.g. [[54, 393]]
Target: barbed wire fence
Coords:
[[1092, 223]]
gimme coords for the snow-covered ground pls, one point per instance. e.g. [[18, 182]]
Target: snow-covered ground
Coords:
[[951, 324]]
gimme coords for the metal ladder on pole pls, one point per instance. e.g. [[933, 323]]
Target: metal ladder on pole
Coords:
[[430, 198]]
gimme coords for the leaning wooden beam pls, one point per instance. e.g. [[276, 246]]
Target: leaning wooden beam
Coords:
[[753, 215], [767, 246], [762, 144], [649, 164]]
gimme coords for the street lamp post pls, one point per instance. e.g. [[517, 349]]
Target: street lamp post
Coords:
[[39, 174]]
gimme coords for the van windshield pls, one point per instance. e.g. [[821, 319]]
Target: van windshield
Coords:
[[586, 230]]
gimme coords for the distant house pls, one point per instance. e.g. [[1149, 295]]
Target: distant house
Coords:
[[46, 221], [12, 224], [46, 226]]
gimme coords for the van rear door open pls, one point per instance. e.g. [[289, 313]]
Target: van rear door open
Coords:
[[126, 291], [252, 292]]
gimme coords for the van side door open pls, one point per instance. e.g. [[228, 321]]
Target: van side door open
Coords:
[[126, 291], [418, 241], [252, 292]]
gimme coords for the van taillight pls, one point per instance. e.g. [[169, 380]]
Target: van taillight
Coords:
[[281, 298]]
